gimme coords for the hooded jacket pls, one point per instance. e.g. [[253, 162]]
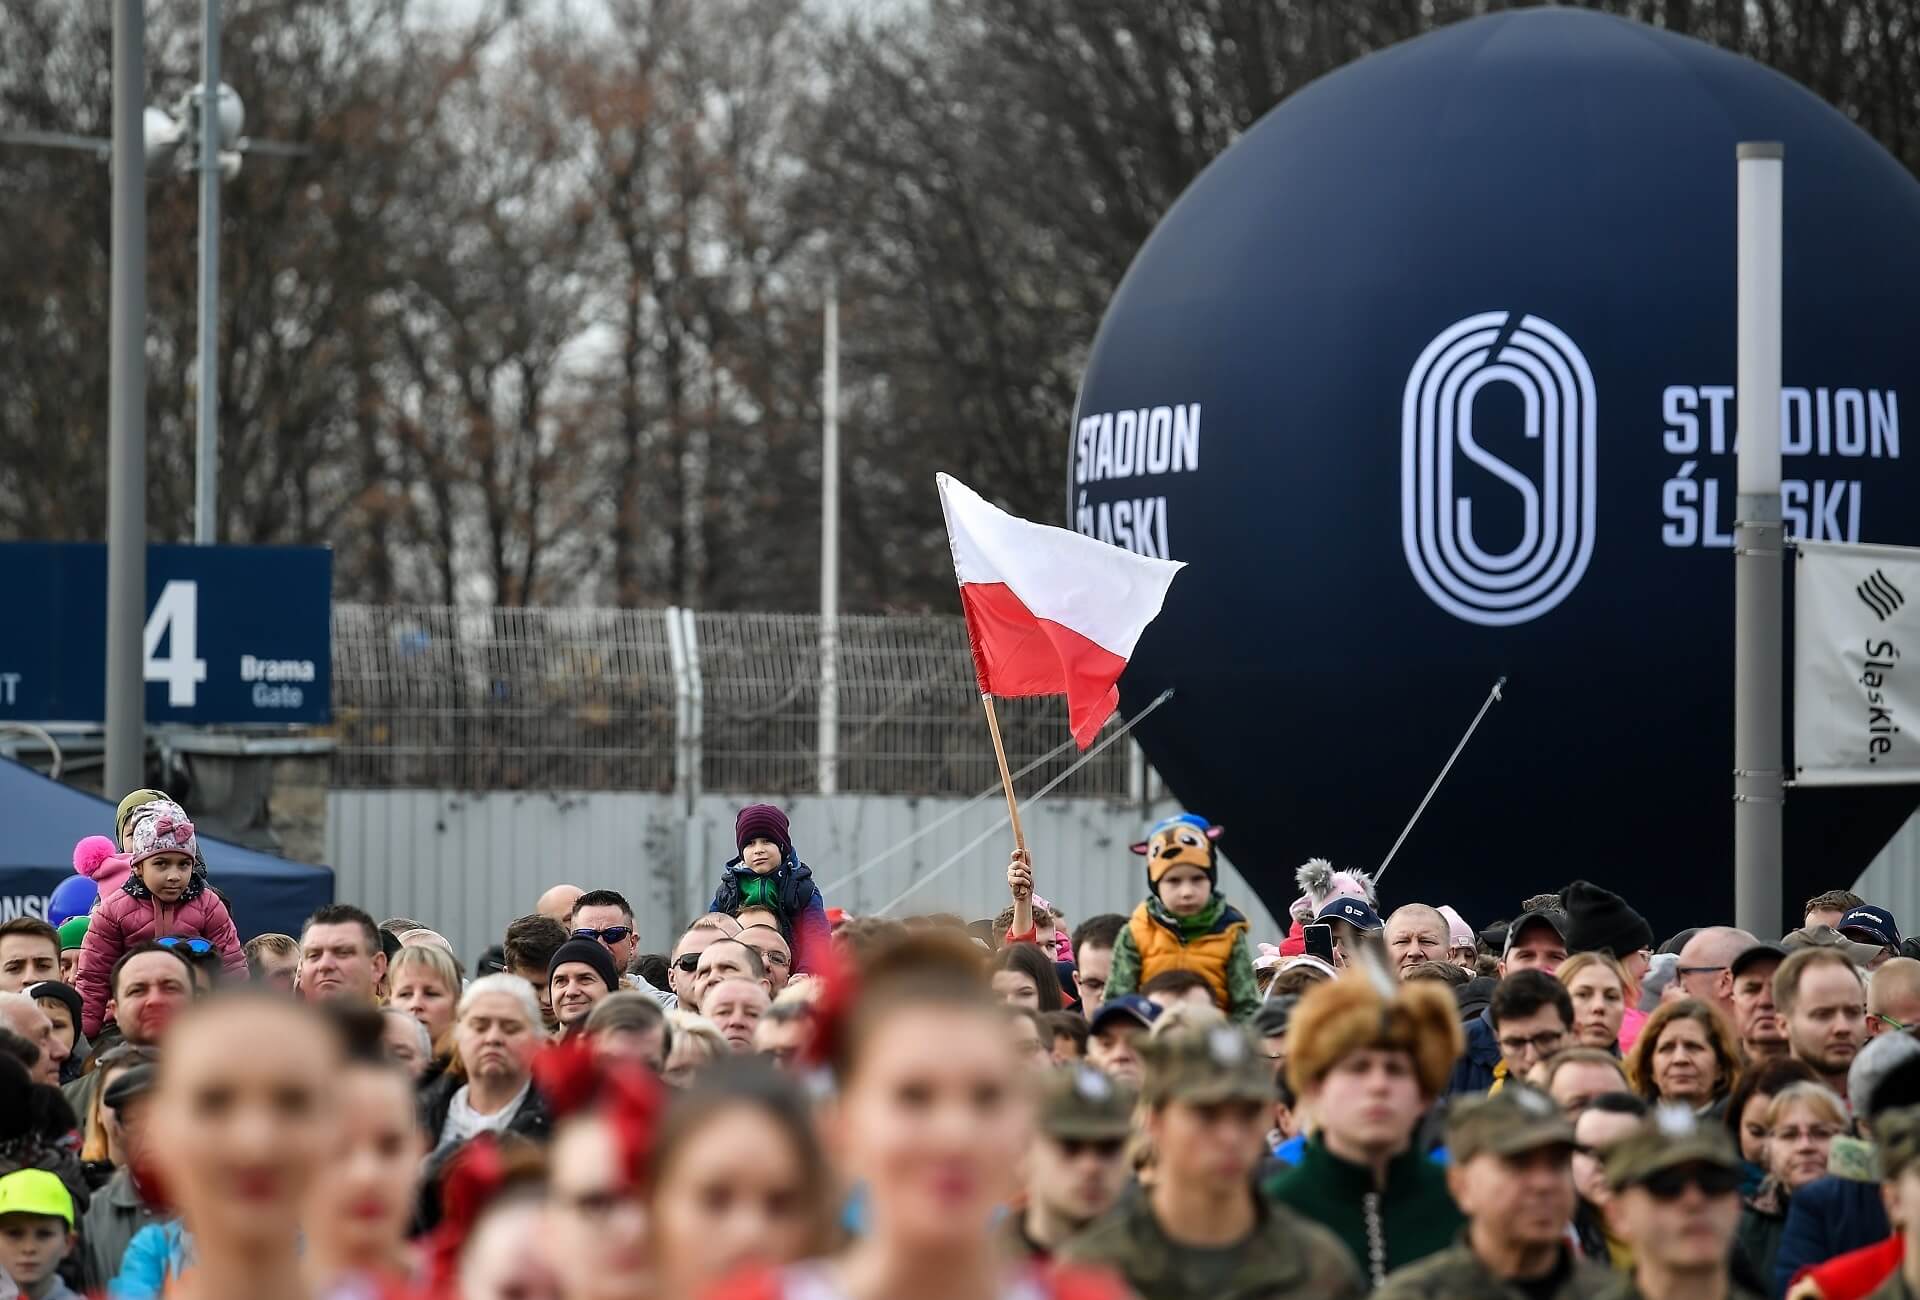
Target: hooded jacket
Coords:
[[795, 897], [130, 916]]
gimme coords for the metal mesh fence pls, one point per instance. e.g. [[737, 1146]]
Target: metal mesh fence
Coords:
[[562, 699]]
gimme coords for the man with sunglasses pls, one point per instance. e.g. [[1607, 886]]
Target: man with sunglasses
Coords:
[[605, 916], [1077, 1167], [706, 931], [1675, 1197]]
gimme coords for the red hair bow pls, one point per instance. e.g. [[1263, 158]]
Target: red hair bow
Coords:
[[573, 1080]]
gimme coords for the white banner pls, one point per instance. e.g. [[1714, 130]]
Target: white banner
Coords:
[[1856, 664]]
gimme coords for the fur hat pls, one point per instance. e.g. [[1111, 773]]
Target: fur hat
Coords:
[[1364, 1009], [1185, 840], [1323, 884]]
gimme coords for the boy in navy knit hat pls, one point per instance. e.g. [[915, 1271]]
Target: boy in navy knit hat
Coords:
[[768, 873]]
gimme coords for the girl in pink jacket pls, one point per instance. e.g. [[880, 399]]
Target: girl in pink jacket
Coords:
[[165, 893]]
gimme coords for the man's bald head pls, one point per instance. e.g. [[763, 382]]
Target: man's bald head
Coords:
[[1416, 933], [1893, 994], [558, 902], [1704, 961]]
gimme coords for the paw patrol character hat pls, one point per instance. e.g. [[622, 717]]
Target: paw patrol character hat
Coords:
[[1183, 841]]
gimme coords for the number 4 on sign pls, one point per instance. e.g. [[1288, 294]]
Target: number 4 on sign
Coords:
[[175, 620]]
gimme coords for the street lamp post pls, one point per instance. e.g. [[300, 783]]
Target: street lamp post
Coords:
[[213, 107], [127, 411]]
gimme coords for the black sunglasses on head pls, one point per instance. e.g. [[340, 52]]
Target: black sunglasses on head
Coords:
[[1712, 1180], [198, 947], [609, 935]]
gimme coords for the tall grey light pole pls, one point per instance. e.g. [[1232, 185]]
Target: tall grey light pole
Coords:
[[206, 457], [127, 411], [829, 746], [1758, 548]]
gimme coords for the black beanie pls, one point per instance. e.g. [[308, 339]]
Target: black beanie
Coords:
[[1599, 920], [591, 952]]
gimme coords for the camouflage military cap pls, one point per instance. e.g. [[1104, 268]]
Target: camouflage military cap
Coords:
[[1672, 1136], [1505, 1123], [1081, 1103], [1896, 1135], [1206, 1064]]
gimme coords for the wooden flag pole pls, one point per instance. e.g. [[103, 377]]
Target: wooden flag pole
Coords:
[[1006, 776]]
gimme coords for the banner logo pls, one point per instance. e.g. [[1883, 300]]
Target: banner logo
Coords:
[[1880, 595], [1556, 500]]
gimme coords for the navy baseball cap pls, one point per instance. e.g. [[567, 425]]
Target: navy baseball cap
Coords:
[[1355, 912], [1874, 922], [1141, 1011]]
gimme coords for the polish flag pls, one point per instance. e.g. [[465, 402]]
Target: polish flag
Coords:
[[1049, 612]]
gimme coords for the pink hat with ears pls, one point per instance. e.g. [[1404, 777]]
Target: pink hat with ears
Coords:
[[96, 858], [1323, 884]]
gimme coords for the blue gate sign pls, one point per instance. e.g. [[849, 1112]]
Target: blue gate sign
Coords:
[[233, 633]]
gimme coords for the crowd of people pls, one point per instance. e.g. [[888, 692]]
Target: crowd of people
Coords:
[[782, 1102]]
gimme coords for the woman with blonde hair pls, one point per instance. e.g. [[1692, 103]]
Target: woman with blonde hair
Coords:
[[696, 1041], [425, 982], [1802, 1122], [1686, 1056], [1601, 991]]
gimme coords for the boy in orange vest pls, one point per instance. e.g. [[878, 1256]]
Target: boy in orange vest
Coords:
[[1185, 922]]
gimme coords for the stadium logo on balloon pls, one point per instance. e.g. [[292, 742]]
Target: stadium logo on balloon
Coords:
[[1554, 495]]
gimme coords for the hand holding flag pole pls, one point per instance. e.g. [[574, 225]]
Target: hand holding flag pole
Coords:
[[1049, 612]]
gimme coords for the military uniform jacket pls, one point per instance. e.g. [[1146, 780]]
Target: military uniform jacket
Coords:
[[1894, 1288], [1458, 1274], [1624, 1288], [1285, 1257]]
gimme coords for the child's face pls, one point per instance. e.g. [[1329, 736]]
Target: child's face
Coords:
[[166, 874], [1185, 890], [761, 856], [32, 1246]]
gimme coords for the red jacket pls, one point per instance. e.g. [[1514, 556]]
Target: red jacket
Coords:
[[1857, 1273], [130, 916]]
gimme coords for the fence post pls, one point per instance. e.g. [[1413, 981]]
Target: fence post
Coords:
[[682, 708], [693, 840]]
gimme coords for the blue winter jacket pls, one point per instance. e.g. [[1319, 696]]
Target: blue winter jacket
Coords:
[[1829, 1216], [800, 903], [1473, 1072]]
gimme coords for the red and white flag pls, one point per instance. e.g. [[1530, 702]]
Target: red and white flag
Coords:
[[1049, 612]]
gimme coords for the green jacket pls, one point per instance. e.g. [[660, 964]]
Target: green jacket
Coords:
[[1625, 1288], [1243, 985], [1414, 1216], [1457, 1274], [1894, 1288], [1285, 1257]]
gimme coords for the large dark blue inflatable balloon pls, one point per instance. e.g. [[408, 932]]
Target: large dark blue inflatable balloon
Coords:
[[1430, 378]]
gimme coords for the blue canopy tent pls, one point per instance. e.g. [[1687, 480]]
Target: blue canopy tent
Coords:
[[41, 820]]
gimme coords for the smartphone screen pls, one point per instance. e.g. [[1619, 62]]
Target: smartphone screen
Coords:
[[1319, 941]]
